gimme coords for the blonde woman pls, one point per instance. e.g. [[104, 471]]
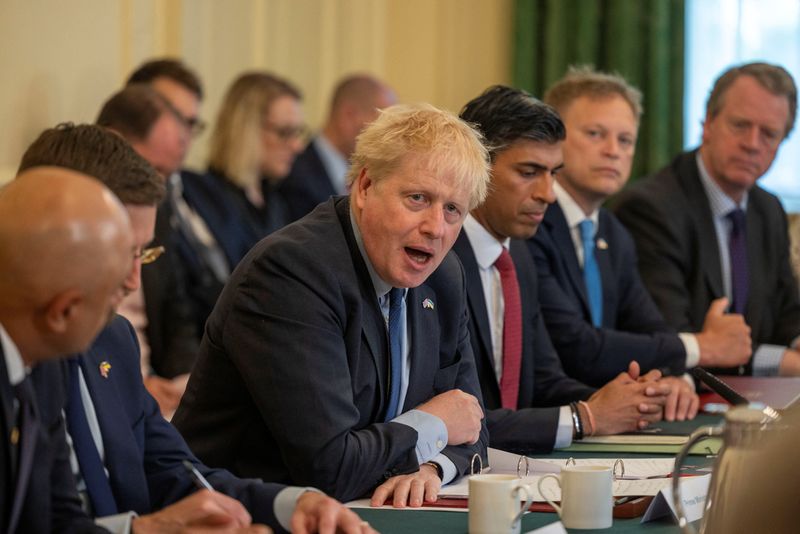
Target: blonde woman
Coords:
[[258, 133]]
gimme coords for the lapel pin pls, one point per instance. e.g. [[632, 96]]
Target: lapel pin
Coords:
[[105, 367], [602, 244], [427, 304], [14, 436]]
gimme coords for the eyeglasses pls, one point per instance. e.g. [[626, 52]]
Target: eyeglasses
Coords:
[[149, 255], [286, 133], [194, 125]]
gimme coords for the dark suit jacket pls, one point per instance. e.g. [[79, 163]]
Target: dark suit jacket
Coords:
[[173, 329], [46, 500], [307, 185], [235, 222], [291, 383], [143, 452], [632, 328], [543, 385], [669, 216]]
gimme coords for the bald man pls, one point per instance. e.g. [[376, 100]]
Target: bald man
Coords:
[[319, 171], [65, 249]]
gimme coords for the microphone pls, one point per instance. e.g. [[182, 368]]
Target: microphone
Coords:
[[719, 387]]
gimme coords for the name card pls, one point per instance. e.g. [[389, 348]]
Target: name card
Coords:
[[693, 494]]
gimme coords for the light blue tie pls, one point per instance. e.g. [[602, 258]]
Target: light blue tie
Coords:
[[591, 273], [396, 350]]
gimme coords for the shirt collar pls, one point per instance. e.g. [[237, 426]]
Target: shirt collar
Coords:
[[333, 161], [572, 212], [720, 203], [485, 246], [381, 287], [14, 364]]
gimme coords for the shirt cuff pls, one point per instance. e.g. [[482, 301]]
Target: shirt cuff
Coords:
[[431, 433], [564, 431], [117, 523], [692, 348], [795, 344], [767, 360], [285, 502], [449, 470]]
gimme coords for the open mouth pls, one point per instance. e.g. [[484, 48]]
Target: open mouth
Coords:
[[418, 256]]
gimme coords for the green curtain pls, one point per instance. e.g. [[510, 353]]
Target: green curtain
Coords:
[[640, 39]]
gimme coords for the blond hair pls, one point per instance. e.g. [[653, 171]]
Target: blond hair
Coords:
[[585, 81], [235, 148], [438, 138]]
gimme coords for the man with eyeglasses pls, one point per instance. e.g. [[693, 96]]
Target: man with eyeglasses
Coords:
[[125, 455], [159, 308], [178, 226], [703, 229]]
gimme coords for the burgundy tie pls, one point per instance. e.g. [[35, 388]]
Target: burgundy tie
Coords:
[[512, 331]]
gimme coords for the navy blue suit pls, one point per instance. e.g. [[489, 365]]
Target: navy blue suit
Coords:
[[632, 329], [235, 222], [38, 492], [307, 185], [292, 380], [143, 452], [543, 386]]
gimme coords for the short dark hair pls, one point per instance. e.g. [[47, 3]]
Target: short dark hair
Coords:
[[97, 152], [773, 78], [171, 68], [505, 115], [133, 111]]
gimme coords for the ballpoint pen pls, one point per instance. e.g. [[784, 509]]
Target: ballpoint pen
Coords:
[[198, 479]]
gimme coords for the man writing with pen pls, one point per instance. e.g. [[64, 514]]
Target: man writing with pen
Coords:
[[127, 458]]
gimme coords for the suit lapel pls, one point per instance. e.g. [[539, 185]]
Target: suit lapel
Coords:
[[556, 224], [602, 252], [475, 297], [124, 459], [423, 334], [689, 175], [373, 325]]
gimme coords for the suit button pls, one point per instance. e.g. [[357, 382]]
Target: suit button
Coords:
[[439, 444]]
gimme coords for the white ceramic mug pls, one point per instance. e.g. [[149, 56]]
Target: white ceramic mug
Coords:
[[586, 496], [494, 504]]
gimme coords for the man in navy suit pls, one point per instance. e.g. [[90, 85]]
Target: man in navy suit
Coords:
[[532, 405], [338, 354], [142, 454], [704, 229], [601, 113], [319, 172], [65, 245]]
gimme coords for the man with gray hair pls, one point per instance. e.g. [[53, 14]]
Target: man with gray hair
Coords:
[[338, 354], [704, 229]]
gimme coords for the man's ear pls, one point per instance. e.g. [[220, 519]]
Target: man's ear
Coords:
[[362, 185], [62, 309]]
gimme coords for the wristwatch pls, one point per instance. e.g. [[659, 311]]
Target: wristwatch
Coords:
[[439, 470]]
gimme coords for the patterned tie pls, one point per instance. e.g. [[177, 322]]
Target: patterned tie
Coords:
[[97, 485], [512, 331], [737, 245], [396, 350], [25, 446], [591, 273]]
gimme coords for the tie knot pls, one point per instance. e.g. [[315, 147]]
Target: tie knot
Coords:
[[586, 228], [504, 263], [737, 218]]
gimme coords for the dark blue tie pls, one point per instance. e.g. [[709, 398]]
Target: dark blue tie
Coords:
[[396, 350], [97, 485], [24, 445], [591, 273], [737, 245]]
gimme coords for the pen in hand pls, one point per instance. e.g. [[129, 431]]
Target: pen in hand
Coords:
[[198, 479]]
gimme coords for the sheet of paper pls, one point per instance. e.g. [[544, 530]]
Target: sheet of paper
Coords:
[[693, 494]]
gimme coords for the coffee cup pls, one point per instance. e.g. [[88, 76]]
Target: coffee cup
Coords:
[[586, 496], [494, 504]]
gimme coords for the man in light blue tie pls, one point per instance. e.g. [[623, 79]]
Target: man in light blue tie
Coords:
[[597, 311], [705, 230]]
